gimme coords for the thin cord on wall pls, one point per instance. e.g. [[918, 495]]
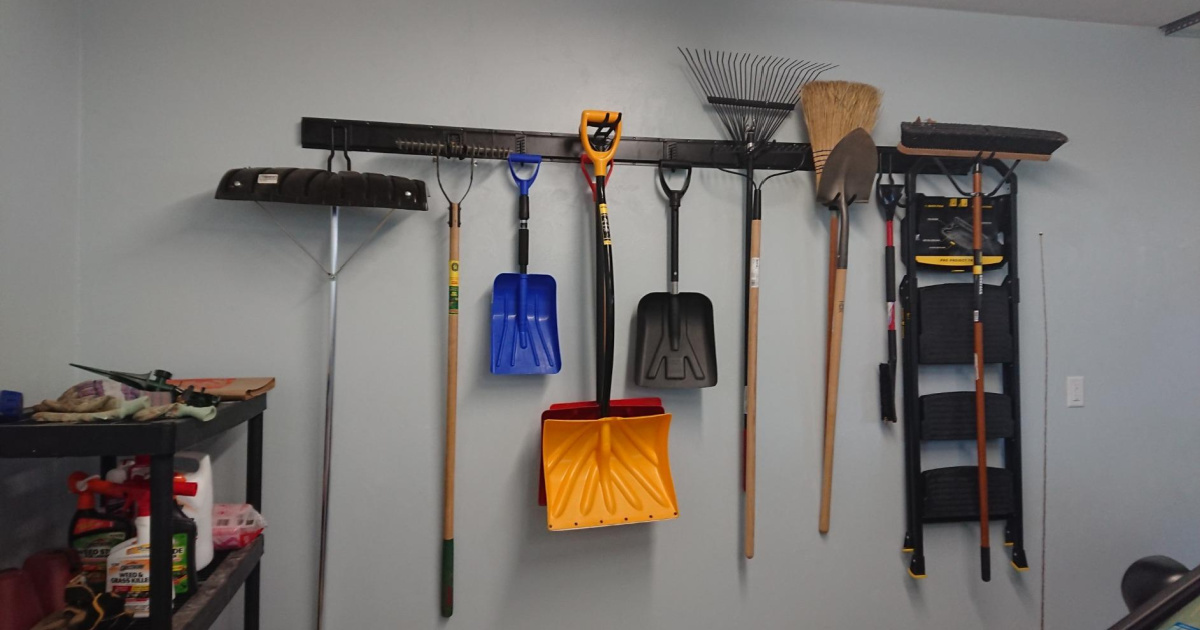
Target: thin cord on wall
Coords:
[[1045, 410]]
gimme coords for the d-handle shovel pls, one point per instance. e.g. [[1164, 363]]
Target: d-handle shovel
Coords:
[[675, 336], [675, 198], [847, 179], [524, 307]]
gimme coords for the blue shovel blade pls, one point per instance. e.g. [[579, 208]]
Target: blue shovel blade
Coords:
[[525, 325]]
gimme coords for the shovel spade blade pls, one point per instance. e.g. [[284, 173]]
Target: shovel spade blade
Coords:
[[525, 325], [676, 345]]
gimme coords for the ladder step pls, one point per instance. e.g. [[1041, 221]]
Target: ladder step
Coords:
[[952, 494], [947, 333], [951, 416]]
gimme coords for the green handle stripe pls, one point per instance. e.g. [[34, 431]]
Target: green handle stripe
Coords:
[[447, 577]]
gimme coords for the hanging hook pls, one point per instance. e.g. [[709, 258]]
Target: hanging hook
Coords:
[[333, 148], [437, 162]]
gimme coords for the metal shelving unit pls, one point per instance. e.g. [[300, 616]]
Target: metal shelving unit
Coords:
[[161, 439]]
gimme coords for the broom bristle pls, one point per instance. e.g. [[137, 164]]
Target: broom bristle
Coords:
[[833, 109]]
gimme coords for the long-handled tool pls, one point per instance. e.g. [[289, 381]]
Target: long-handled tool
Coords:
[[524, 305], [608, 135], [888, 197], [752, 95], [849, 173], [309, 186], [832, 109], [601, 466], [676, 345], [589, 409], [451, 393], [978, 143]]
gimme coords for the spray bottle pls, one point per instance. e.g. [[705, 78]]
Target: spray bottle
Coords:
[[128, 565], [197, 468], [93, 534]]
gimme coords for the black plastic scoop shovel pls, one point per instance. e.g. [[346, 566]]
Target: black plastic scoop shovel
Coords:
[[675, 334]]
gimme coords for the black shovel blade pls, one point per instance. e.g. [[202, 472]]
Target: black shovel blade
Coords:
[[677, 357]]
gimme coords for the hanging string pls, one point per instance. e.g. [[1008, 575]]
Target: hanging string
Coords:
[[289, 235]]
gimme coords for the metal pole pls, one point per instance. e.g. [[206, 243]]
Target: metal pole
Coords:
[[254, 444], [329, 383]]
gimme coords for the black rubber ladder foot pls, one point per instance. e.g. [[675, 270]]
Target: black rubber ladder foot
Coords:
[[1018, 560], [916, 567], [908, 543]]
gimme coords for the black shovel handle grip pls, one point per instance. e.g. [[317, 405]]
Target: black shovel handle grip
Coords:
[[674, 165], [523, 235]]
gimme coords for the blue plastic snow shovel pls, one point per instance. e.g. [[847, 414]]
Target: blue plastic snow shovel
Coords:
[[524, 305]]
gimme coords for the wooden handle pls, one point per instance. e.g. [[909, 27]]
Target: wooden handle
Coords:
[[833, 244], [752, 384], [980, 398], [981, 437], [831, 393], [447, 581]]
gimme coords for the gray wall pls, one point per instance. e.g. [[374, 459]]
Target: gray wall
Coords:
[[176, 92], [39, 211]]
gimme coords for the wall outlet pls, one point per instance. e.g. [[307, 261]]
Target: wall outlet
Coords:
[[1074, 391]]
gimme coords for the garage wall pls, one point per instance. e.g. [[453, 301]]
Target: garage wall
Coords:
[[39, 211], [177, 92]]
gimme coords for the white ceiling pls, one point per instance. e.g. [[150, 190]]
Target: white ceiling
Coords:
[[1131, 12]]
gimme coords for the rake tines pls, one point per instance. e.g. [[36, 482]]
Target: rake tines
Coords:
[[752, 94]]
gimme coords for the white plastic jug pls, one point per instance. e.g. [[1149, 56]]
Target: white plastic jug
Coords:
[[197, 468]]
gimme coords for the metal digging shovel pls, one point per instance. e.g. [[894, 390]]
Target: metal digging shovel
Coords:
[[676, 345], [847, 179], [524, 305]]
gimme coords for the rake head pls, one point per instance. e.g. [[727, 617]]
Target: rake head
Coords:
[[752, 94]]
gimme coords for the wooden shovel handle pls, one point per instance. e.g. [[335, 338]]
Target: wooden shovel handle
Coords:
[[447, 585], [831, 393], [752, 384], [833, 244]]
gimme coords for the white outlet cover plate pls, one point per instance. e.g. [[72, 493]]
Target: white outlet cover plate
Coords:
[[1074, 391]]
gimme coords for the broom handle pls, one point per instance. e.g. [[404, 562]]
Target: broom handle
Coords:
[[752, 369], [985, 558], [451, 421]]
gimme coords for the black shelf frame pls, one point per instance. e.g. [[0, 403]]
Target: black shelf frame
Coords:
[[161, 439], [909, 294], [497, 144]]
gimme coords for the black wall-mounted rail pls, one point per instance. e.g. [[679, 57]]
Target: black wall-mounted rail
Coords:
[[497, 144]]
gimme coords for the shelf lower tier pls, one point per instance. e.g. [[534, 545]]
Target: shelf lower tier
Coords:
[[951, 416], [219, 582], [947, 333], [951, 495]]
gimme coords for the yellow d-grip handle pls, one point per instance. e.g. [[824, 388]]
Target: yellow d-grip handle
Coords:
[[600, 159]]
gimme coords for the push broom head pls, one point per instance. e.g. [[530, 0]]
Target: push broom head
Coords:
[[752, 94], [832, 109], [926, 137]]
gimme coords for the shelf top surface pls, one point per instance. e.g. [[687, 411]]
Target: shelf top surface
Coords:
[[28, 438]]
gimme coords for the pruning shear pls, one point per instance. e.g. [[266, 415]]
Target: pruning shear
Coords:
[[157, 381]]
